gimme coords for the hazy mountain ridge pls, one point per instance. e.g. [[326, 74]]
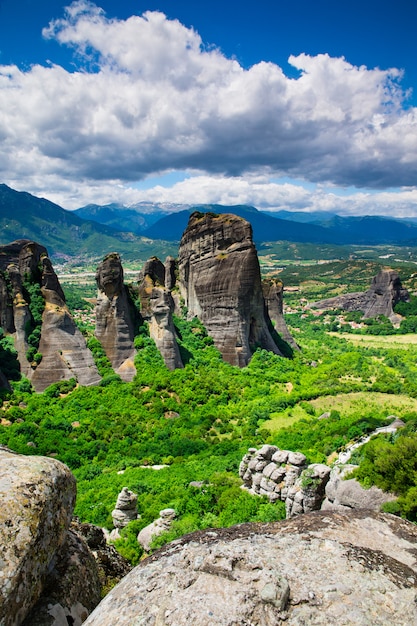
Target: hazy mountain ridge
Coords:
[[128, 229]]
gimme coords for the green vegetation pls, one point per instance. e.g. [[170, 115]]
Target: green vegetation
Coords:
[[199, 421]]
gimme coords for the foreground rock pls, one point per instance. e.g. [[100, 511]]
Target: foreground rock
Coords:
[[356, 568], [115, 323], [384, 293], [220, 282], [48, 574], [62, 347]]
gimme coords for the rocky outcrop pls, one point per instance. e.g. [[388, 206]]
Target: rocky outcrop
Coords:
[[384, 293], [284, 475], [44, 567], [220, 282], [272, 290], [125, 511], [159, 526], [157, 307], [308, 492], [111, 565], [62, 348], [322, 568], [72, 588], [115, 323], [348, 493]]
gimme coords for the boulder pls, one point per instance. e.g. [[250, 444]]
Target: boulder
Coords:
[[220, 282], [159, 526], [126, 508], [349, 494], [38, 496], [112, 567], [308, 491], [355, 568], [72, 588]]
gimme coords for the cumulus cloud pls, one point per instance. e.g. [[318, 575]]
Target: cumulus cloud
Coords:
[[147, 96]]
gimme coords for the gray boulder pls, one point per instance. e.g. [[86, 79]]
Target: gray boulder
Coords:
[[349, 494], [38, 496], [159, 526], [355, 568]]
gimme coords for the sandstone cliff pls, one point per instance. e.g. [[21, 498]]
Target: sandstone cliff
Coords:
[[273, 294], [384, 293], [62, 350], [157, 307], [220, 283], [115, 323], [355, 568]]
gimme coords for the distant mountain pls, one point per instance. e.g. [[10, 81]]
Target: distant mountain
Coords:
[[120, 217], [367, 230], [265, 228], [64, 234], [315, 217]]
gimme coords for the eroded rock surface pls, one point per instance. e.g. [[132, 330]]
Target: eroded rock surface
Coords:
[[384, 293], [220, 282], [355, 568], [342, 493], [37, 499], [157, 307], [273, 294], [159, 526], [115, 324], [62, 346], [126, 508], [284, 475]]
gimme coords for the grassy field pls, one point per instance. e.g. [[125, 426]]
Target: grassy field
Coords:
[[350, 403], [346, 404], [379, 341]]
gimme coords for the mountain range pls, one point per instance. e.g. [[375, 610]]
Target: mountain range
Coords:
[[144, 229]]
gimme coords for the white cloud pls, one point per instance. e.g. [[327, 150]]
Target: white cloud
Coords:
[[148, 97]]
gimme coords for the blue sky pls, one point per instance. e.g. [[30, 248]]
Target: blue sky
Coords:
[[301, 106]]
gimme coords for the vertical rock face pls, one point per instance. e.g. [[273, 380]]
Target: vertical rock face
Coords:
[[114, 319], [220, 282], [62, 346], [384, 293], [157, 307], [273, 295]]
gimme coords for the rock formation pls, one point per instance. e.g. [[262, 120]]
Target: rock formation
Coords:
[[384, 293], [62, 347], [44, 567], [273, 294], [159, 526], [345, 494], [125, 511], [322, 568], [157, 307], [284, 475], [111, 565], [115, 323], [220, 282]]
